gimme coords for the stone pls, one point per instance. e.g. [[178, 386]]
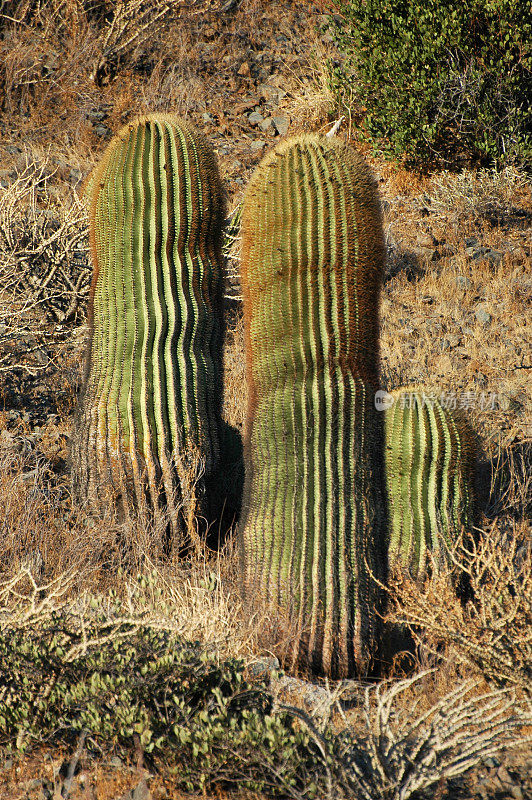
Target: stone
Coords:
[[102, 130], [257, 144], [269, 93], [244, 70], [462, 282], [484, 254], [281, 124], [208, 118], [426, 240], [263, 667], [266, 125], [482, 316], [141, 791], [255, 118]]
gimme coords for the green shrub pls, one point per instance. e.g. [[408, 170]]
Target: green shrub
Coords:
[[439, 81], [119, 680]]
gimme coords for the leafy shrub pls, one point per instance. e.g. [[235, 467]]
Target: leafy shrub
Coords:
[[96, 670], [440, 81], [120, 680]]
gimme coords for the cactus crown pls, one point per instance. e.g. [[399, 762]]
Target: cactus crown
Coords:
[[312, 261], [430, 469]]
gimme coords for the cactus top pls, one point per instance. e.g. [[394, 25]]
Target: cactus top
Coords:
[[312, 216], [178, 157]]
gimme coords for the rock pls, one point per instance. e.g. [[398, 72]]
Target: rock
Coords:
[[281, 124], [482, 316], [208, 118], [462, 282], [7, 440], [263, 667], [255, 118], [257, 144], [117, 762], [266, 125], [102, 130], [74, 176], [96, 115], [426, 240], [517, 792], [504, 776], [269, 93], [246, 104], [141, 791], [244, 70], [484, 254]]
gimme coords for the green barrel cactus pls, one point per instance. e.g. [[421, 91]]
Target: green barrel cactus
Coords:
[[431, 456], [151, 406], [313, 527]]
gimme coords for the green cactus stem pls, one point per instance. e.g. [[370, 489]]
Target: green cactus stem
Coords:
[[431, 454], [151, 407], [314, 529]]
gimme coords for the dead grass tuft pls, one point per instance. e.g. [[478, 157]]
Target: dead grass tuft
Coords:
[[492, 631]]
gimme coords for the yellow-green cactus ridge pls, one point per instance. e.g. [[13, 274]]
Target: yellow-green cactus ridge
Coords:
[[313, 532]]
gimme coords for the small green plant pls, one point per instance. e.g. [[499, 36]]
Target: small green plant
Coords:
[[313, 529], [439, 82], [89, 673], [430, 459], [150, 429]]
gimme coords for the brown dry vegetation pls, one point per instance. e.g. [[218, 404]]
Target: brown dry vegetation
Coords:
[[455, 316]]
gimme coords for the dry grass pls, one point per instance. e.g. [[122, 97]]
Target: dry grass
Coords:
[[492, 631]]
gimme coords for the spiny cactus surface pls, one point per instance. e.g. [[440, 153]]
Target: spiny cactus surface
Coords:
[[431, 455], [153, 389], [313, 526]]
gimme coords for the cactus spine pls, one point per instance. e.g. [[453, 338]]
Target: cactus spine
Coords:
[[430, 471], [153, 386], [314, 526]]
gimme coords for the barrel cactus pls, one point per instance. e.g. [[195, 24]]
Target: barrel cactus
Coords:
[[313, 528], [151, 406], [431, 456]]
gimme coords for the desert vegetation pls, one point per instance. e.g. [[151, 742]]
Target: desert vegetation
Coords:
[[127, 671]]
